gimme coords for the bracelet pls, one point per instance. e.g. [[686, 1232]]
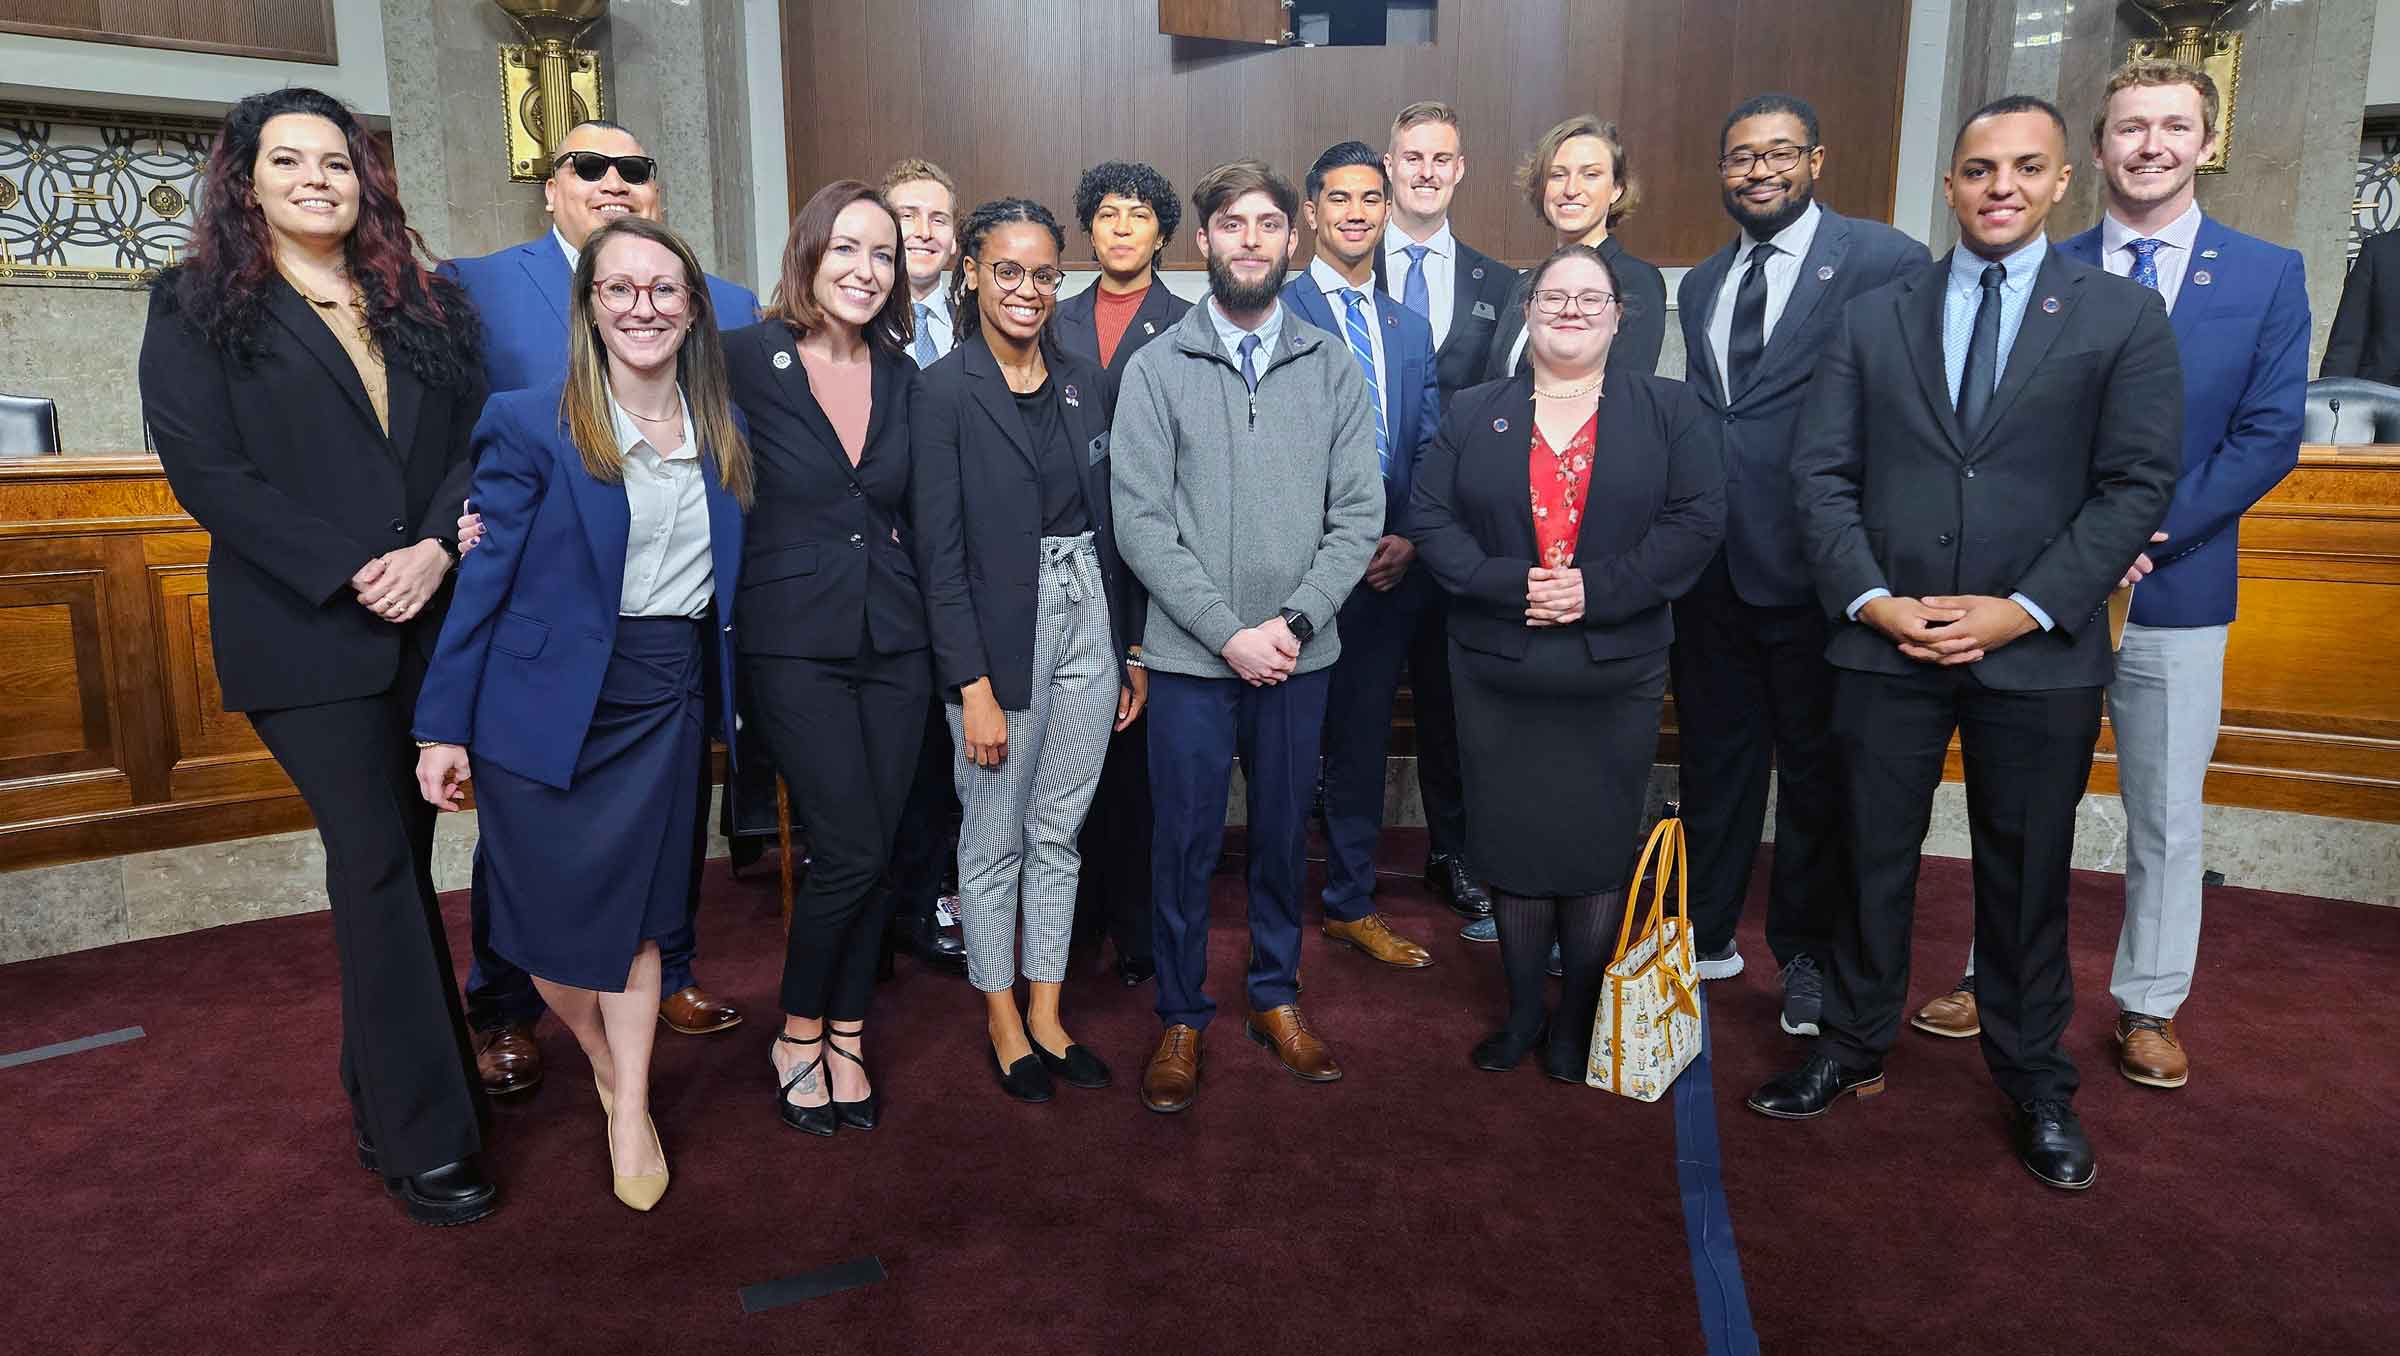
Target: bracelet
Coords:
[[1134, 661], [431, 743]]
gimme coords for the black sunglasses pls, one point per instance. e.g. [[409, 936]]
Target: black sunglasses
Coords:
[[592, 167]]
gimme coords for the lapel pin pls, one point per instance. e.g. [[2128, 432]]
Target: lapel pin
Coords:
[[1479, 273], [1499, 426], [2202, 278], [1825, 273], [782, 360], [1148, 328], [2208, 254], [1072, 400], [2049, 306]]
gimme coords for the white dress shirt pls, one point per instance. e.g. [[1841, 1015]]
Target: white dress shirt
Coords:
[[1783, 272], [2174, 258], [669, 571], [938, 321], [574, 255], [1441, 272], [1333, 285], [1231, 335]]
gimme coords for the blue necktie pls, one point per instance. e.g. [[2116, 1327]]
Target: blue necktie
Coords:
[[926, 356], [2145, 261], [1249, 370], [1412, 288], [1362, 347]]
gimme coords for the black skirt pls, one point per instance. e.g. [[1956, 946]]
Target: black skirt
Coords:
[[1555, 751], [578, 879]]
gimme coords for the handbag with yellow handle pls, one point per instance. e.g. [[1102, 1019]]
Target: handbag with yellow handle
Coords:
[[1647, 1028]]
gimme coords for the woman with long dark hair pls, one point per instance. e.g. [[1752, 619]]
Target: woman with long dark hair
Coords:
[[310, 386], [571, 666], [1578, 180], [833, 637], [1032, 615]]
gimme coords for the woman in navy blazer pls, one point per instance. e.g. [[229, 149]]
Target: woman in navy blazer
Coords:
[[569, 675], [833, 642]]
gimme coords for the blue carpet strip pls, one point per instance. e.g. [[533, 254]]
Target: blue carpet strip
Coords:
[[73, 1047], [1707, 1223], [809, 1285]]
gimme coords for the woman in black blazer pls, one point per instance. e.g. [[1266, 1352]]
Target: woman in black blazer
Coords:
[[310, 387], [1560, 560], [833, 638], [1576, 179], [1032, 623]]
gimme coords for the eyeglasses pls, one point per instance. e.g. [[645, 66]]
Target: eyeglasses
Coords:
[[1550, 302], [1778, 159], [1010, 275], [619, 294], [592, 167]]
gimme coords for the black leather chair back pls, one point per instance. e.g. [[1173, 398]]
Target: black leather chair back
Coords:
[[2351, 411], [29, 426]]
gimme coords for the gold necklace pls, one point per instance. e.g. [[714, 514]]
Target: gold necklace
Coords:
[[675, 413], [1570, 392], [358, 307]]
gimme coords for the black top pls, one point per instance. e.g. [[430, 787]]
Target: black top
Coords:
[[1063, 514], [1076, 326], [2365, 339]]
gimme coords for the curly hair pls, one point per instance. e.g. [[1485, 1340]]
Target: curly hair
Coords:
[[971, 233], [1129, 179], [420, 320]]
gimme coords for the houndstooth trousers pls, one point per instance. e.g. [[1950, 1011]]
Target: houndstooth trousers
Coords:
[[1016, 836]]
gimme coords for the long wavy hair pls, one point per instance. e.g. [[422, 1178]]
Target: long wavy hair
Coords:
[[420, 321], [795, 300], [971, 234], [699, 367]]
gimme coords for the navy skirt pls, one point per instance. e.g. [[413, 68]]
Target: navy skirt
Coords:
[[578, 879]]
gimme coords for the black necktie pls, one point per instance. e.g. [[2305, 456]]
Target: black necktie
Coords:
[[1749, 337], [1983, 355]]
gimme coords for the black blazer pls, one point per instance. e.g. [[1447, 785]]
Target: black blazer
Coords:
[[1653, 513], [298, 485], [827, 564], [1845, 259], [1076, 326], [1483, 286], [1641, 326], [2053, 498], [2365, 340], [979, 517]]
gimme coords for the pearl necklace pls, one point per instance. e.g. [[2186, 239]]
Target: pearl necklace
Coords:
[[1570, 392]]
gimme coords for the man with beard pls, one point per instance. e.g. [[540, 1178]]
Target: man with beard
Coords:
[[1248, 501], [1752, 687]]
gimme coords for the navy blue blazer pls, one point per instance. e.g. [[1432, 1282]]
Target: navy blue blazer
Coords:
[[1412, 397], [2242, 325], [517, 674], [521, 292]]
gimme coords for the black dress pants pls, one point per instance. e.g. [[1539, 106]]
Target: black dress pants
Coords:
[[1435, 711], [405, 1062], [928, 828], [1114, 893], [1753, 692], [2028, 755], [845, 733]]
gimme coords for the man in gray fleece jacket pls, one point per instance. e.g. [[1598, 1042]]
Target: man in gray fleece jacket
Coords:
[[1248, 499]]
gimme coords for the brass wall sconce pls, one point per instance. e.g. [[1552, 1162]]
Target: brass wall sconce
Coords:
[[2189, 33], [547, 83]]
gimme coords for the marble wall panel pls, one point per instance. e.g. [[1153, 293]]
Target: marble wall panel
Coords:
[[80, 347], [51, 910]]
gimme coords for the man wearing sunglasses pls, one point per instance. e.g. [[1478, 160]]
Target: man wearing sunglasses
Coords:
[[599, 173]]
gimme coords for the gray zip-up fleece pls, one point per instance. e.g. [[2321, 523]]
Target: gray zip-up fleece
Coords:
[[1231, 509]]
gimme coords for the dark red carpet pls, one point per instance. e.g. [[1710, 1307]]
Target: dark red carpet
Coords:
[[194, 1192]]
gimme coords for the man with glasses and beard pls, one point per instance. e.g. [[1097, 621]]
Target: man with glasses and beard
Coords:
[[1248, 500], [598, 175], [1752, 688]]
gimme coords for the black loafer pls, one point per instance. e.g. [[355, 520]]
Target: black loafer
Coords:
[[1080, 1068], [2051, 1144], [1136, 972], [1455, 887], [1026, 1080], [366, 1151], [1811, 1090], [454, 1193], [1501, 1051]]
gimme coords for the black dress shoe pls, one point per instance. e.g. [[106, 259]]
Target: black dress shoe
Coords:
[[1026, 1080], [1078, 1066], [1503, 1049], [2051, 1144], [454, 1193], [1812, 1089], [1452, 885], [1136, 971], [930, 944], [366, 1151]]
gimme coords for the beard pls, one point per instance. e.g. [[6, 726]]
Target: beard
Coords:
[[1238, 297], [1768, 226]]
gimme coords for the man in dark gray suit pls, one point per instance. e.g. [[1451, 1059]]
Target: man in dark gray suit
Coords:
[[1986, 447], [1752, 688]]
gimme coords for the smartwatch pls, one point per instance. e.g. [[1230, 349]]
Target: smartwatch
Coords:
[[1298, 620]]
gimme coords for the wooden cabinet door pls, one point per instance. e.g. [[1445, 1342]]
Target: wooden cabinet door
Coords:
[[1267, 21]]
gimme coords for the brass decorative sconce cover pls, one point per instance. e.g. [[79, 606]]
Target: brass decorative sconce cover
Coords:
[[547, 83], [2188, 33]]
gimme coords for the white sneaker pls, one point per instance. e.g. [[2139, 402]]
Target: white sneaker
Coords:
[[1724, 966]]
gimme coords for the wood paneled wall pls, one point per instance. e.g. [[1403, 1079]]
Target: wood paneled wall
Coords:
[[280, 30], [1018, 96]]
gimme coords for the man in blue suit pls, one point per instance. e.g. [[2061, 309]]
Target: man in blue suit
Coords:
[[1348, 195], [600, 173], [2240, 311]]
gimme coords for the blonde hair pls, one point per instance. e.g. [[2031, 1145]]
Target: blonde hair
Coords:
[[1535, 171], [2154, 73], [1424, 111], [910, 169]]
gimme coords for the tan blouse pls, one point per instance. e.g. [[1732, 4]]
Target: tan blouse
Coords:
[[349, 326]]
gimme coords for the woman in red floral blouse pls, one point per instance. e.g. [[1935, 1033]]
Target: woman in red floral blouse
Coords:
[[1563, 509]]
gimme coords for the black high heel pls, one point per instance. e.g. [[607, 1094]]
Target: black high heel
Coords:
[[816, 1120], [859, 1115]]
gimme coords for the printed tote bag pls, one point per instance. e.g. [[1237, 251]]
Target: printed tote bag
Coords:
[[1647, 1028]]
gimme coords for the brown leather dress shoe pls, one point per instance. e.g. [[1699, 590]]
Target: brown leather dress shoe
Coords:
[[1284, 1031], [2148, 1051], [1954, 1014], [507, 1060], [1174, 1071], [696, 1014], [1375, 937]]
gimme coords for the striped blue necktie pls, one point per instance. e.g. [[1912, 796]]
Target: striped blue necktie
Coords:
[[1362, 347]]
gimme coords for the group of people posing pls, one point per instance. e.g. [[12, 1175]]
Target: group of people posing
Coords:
[[538, 523]]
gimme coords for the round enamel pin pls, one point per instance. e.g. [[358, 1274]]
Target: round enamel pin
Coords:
[[2202, 279], [1825, 273], [1071, 397], [2049, 306], [782, 360], [1499, 426]]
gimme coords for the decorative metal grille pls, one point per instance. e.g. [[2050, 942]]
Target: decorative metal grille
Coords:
[[94, 197], [2375, 201]]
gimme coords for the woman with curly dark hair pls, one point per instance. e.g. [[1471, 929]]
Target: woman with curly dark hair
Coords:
[[310, 386]]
